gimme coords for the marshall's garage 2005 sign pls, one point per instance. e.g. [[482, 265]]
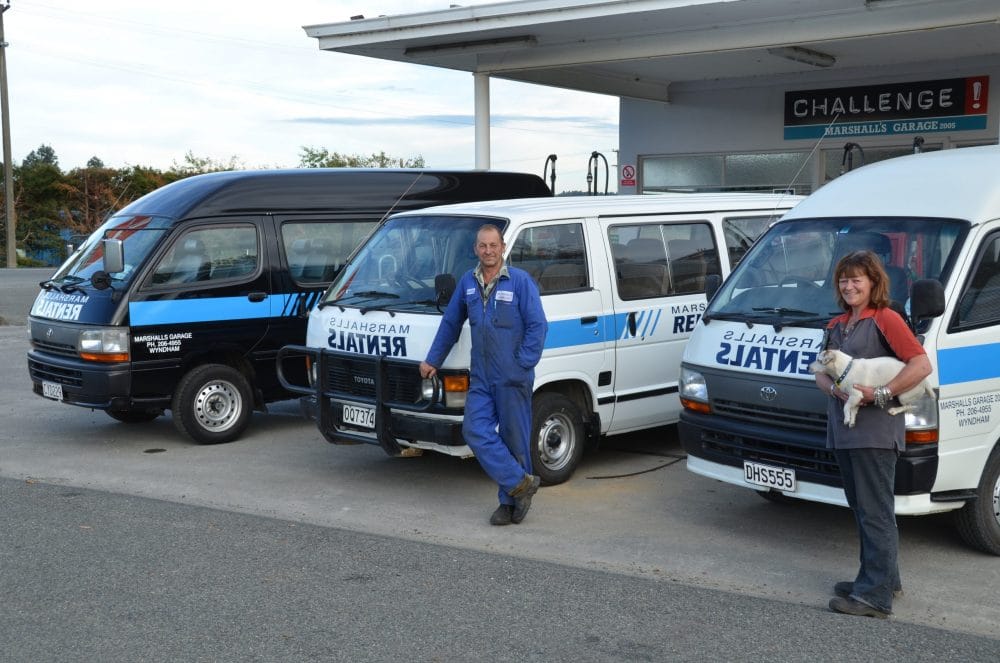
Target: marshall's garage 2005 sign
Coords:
[[955, 104]]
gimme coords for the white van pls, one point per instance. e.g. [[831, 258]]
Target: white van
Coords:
[[753, 415], [622, 281]]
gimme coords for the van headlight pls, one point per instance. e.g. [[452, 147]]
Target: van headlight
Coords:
[[922, 421], [110, 344], [447, 388], [430, 389], [693, 390]]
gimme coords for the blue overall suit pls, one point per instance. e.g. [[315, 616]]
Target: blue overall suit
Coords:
[[508, 333]]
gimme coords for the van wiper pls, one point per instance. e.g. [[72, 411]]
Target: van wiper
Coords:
[[781, 310], [66, 284], [376, 293], [364, 294]]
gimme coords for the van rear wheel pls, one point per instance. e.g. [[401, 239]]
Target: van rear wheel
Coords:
[[556, 437], [213, 404], [978, 522]]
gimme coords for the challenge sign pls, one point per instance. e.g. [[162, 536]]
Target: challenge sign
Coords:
[[955, 104]]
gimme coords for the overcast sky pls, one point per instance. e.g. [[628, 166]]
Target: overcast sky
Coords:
[[142, 83]]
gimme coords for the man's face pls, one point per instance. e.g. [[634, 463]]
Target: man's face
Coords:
[[489, 248]]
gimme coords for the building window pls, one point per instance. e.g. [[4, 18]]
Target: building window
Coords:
[[776, 171]]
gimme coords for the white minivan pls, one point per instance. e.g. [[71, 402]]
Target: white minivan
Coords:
[[622, 281], [752, 413]]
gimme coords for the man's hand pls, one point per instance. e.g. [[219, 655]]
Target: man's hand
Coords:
[[426, 370]]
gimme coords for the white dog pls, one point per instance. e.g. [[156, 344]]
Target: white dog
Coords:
[[869, 372]]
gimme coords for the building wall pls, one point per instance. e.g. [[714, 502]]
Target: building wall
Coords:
[[726, 117]]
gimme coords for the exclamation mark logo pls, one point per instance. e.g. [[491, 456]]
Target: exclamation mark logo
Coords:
[[977, 95]]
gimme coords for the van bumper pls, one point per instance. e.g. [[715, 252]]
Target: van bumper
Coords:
[[726, 442], [103, 387], [395, 429]]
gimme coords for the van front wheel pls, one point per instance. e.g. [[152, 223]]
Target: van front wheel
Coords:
[[212, 404], [556, 437], [978, 521]]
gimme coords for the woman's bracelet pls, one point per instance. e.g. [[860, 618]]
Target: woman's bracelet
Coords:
[[833, 385], [881, 396]]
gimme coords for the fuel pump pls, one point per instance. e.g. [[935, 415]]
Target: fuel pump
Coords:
[[847, 162], [592, 166], [552, 178]]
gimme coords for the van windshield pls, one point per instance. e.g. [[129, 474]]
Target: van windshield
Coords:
[[139, 234], [398, 266], [787, 276]]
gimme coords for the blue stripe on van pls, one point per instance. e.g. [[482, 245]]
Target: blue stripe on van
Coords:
[[568, 333], [179, 311], [975, 362]]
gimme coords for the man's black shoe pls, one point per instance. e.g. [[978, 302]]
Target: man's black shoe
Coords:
[[502, 516], [522, 497], [845, 588], [849, 606]]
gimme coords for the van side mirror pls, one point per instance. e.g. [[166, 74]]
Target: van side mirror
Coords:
[[926, 300], [114, 255], [712, 283], [444, 288]]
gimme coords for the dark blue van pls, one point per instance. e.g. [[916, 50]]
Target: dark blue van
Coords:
[[182, 299]]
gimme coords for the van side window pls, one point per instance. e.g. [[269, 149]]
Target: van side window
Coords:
[[209, 254], [555, 256], [980, 304], [741, 232], [663, 260], [317, 250]]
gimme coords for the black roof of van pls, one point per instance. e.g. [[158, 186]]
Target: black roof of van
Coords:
[[329, 189]]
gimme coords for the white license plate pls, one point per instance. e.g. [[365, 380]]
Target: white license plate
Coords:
[[769, 476], [52, 390], [363, 417]]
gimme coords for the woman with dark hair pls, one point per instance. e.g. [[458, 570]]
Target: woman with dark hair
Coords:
[[867, 452]]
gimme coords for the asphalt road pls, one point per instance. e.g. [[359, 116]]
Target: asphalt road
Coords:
[[95, 576], [127, 543], [18, 288]]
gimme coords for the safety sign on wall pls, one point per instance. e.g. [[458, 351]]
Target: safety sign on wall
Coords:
[[628, 175]]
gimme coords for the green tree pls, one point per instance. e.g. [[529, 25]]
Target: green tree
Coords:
[[320, 157], [194, 165], [40, 193]]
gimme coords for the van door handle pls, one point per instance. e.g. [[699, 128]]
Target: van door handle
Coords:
[[589, 320], [630, 318], [257, 296]]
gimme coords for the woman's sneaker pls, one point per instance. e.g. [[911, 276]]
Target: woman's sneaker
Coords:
[[845, 588]]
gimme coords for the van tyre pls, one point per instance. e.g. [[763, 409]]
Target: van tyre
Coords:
[[212, 404], [557, 437], [978, 522], [133, 416]]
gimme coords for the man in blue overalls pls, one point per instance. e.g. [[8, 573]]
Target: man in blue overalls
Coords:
[[508, 328]]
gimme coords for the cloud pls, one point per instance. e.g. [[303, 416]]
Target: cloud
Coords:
[[466, 120]]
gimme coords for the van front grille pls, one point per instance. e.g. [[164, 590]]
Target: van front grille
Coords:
[[361, 378], [771, 416], [45, 373]]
